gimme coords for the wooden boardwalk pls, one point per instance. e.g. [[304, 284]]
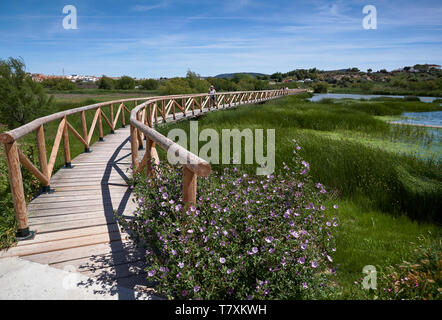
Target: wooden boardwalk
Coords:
[[76, 227]]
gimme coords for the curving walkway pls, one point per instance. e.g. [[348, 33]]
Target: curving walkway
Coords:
[[75, 226]]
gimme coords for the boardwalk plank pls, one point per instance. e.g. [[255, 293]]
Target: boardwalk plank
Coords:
[[76, 226]]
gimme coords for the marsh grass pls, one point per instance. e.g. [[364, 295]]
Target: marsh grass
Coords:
[[387, 196], [397, 183]]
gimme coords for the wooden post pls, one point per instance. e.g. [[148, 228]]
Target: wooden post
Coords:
[[42, 156], [100, 126], [111, 108], [85, 134], [66, 147], [123, 118], [134, 147], [163, 110], [139, 135], [149, 121], [18, 195], [189, 187], [145, 121], [151, 154]]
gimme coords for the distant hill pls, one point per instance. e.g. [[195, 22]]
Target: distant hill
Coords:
[[230, 75]]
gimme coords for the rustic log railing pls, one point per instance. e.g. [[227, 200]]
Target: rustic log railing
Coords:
[[143, 117], [146, 115], [15, 156]]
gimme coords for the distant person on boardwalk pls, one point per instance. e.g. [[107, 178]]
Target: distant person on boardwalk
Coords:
[[212, 93]]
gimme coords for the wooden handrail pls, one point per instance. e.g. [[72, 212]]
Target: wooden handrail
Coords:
[[14, 135], [15, 156], [142, 119], [193, 166]]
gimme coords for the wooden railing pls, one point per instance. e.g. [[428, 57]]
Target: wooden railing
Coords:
[[142, 120], [160, 109], [15, 156]]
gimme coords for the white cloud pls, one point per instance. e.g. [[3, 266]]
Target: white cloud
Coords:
[[144, 8]]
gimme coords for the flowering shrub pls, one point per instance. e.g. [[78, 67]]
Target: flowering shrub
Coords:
[[247, 237], [416, 280]]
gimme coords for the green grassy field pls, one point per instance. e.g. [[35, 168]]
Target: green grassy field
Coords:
[[389, 196]]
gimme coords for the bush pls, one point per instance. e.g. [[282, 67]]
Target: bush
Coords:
[[149, 84], [416, 280], [125, 83], [185, 85], [176, 86], [221, 84], [247, 237], [106, 83], [22, 99], [59, 84], [7, 217], [320, 87]]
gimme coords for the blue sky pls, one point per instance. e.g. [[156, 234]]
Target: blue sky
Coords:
[[167, 37]]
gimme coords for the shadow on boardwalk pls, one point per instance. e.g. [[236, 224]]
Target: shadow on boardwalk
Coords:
[[124, 266]]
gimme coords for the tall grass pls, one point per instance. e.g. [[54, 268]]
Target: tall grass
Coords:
[[393, 183]]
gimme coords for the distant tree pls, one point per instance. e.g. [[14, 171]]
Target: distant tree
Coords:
[[149, 84], [105, 83], [223, 84], [278, 76], [192, 75], [320, 87], [247, 83], [237, 77], [22, 100], [353, 69], [58, 84], [420, 67], [176, 86], [125, 83], [64, 84], [369, 71], [366, 86]]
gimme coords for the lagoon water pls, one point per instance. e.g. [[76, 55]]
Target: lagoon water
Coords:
[[425, 118], [319, 96], [433, 118]]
